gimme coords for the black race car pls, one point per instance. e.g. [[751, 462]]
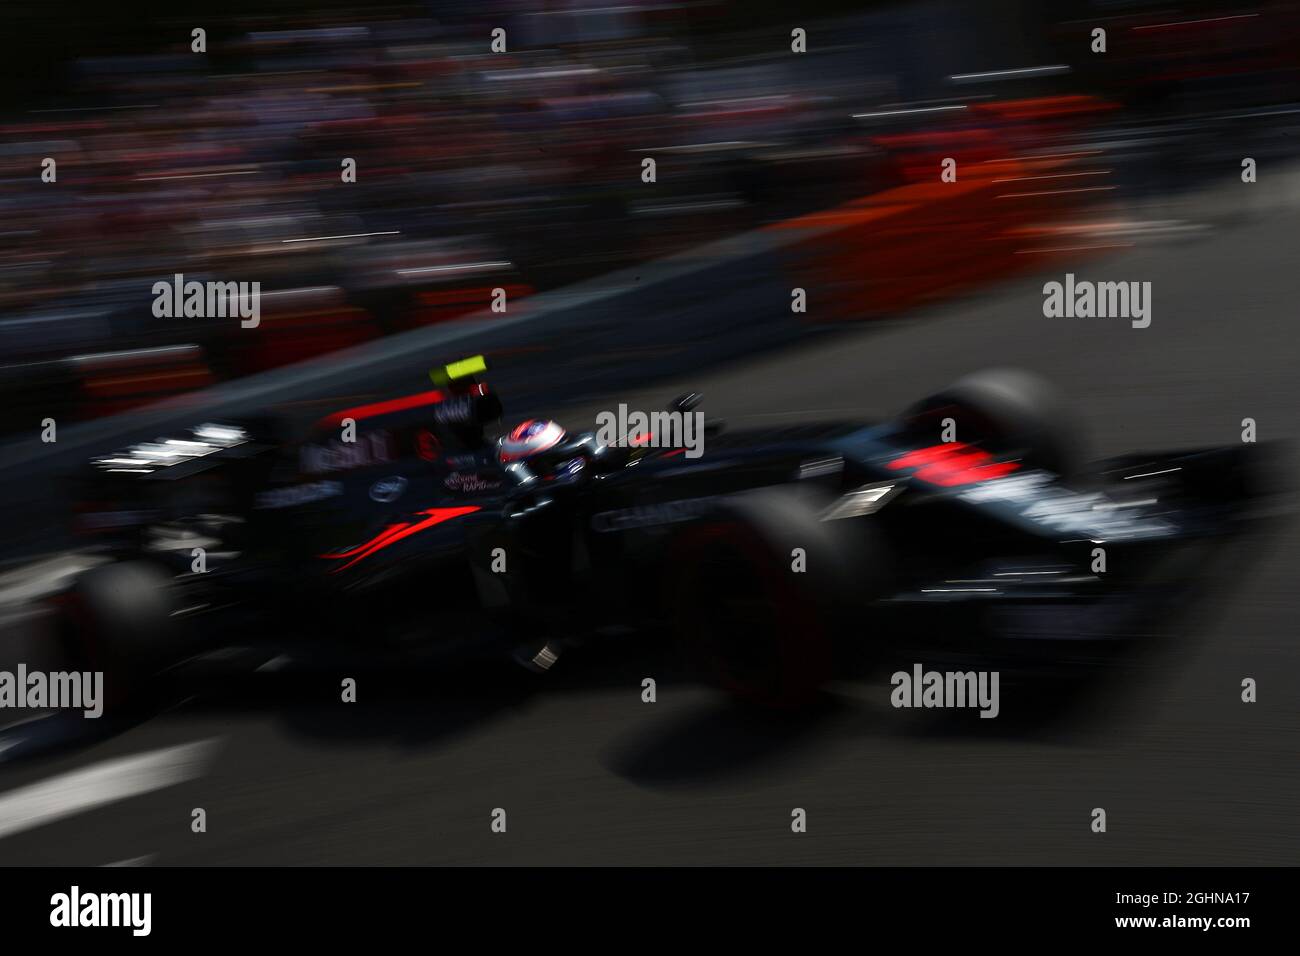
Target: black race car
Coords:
[[968, 523]]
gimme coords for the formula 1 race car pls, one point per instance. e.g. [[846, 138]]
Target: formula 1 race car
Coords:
[[969, 522]]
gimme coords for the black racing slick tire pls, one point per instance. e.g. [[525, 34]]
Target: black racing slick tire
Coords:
[[118, 619], [763, 590]]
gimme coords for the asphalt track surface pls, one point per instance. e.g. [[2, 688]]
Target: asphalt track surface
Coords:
[[589, 774]]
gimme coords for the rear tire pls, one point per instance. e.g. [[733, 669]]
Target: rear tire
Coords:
[[1010, 411], [117, 619]]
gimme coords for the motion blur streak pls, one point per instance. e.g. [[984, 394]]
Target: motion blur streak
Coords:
[[103, 783]]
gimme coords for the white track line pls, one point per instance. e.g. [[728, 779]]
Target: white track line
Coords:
[[103, 783]]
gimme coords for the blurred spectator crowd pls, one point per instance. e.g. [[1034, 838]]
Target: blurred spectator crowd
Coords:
[[475, 170]]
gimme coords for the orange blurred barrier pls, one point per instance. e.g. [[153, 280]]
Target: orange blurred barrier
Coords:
[[902, 247]]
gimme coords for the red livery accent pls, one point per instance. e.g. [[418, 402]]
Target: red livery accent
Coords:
[[952, 463], [427, 445], [383, 408], [396, 532]]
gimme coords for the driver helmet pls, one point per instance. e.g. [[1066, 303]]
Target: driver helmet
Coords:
[[529, 439]]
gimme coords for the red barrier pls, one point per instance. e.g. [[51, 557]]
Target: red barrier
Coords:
[[902, 247], [114, 382], [444, 305], [288, 337]]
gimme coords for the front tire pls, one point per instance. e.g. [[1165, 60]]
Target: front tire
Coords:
[[757, 626]]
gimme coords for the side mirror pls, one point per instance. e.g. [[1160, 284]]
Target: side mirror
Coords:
[[685, 403]]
